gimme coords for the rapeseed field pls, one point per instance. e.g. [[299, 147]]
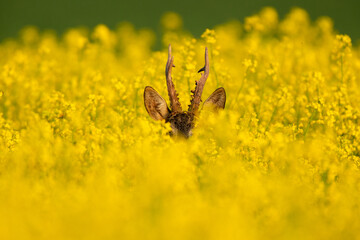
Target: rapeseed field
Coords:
[[80, 158]]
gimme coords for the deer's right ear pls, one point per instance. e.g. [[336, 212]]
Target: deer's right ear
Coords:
[[217, 99], [155, 105]]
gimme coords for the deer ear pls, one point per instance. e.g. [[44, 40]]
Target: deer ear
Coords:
[[217, 99], [155, 105]]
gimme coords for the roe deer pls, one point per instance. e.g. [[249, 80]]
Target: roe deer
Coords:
[[182, 122]]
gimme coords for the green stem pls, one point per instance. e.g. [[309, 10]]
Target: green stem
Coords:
[[259, 108], [135, 101], [213, 67], [272, 118], [238, 93], [342, 69], [309, 122]]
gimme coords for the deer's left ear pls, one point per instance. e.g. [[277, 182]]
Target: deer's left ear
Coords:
[[217, 99], [155, 105]]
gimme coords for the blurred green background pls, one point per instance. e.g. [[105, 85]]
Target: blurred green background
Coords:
[[197, 15]]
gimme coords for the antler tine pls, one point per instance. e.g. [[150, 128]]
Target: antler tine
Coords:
[[196, 99], [173, 96]]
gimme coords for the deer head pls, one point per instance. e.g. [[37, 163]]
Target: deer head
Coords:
[[182, 122]]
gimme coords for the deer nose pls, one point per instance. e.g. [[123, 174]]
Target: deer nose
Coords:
[[187, 135], [182, 134]]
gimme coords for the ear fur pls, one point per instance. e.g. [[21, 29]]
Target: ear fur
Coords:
[[216, 100], [155, 105]]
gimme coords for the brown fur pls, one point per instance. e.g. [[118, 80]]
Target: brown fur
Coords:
[[182, 122]]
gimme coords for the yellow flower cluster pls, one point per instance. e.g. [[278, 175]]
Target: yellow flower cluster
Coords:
[[81, 159]]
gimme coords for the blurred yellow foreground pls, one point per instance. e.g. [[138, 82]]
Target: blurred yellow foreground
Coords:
[[81, 159]]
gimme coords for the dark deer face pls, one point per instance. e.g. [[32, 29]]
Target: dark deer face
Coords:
[[182, 122]]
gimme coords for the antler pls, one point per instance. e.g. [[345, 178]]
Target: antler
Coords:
[[196, 98], [173, 96]]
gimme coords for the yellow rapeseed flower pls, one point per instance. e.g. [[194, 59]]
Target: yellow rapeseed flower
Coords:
[[81, 159]]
